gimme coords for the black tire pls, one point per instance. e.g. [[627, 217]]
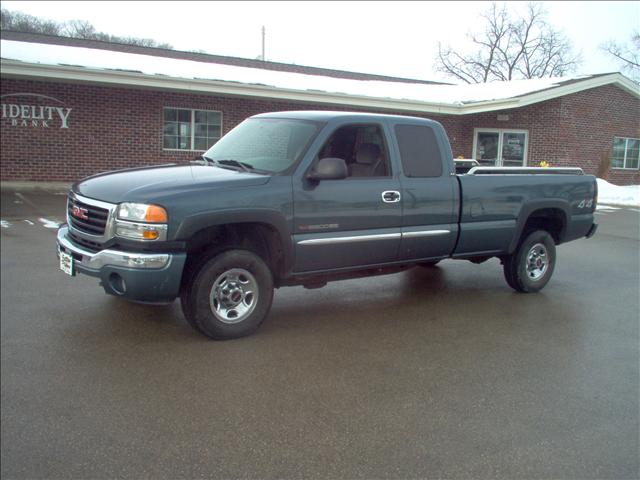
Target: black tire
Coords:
[[530, 267], [191, 269], [429, 264], [238, 285]]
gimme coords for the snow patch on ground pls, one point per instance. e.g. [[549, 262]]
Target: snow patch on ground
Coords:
[[49, 223], [609, 194]]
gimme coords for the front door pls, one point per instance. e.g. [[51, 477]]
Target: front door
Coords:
[[355, 221]]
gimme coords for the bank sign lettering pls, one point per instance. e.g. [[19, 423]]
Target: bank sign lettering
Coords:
[[20, 112]]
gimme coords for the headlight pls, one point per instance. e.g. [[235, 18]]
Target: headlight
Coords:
[[140, 212], [139, 221]]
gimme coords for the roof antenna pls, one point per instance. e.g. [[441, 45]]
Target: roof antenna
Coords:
[[263, 34]]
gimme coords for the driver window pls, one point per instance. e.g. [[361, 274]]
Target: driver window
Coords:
[[363, 149]]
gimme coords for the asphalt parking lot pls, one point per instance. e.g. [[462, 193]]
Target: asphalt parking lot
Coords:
[[441, 372]]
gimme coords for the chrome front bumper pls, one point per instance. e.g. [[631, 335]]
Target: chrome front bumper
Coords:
[[141, 277], [95, 261]]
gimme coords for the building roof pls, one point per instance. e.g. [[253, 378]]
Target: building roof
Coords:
[[145, 69], [201, 57]]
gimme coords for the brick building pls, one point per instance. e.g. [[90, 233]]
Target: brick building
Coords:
[[72, 108]]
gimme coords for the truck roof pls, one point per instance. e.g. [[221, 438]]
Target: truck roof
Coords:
[[326, 115]]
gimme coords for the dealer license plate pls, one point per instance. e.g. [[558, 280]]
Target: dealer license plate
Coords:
[[66, 263]]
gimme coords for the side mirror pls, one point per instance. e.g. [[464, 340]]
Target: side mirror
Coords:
[[330, 168]]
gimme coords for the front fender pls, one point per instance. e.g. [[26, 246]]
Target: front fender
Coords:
[[275, 219]]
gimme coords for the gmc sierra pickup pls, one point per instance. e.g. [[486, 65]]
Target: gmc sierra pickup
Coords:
[[302, 198]]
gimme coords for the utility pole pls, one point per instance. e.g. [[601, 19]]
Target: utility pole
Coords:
[[263, 34]]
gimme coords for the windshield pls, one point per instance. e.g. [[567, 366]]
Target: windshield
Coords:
[[268, 144]]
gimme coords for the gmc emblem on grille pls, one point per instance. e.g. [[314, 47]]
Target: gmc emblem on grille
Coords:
[[81, 213]]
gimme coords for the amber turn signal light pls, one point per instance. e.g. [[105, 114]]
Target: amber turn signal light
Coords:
[[155, 214], [150, 234]]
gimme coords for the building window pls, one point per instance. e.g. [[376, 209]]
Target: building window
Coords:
[[500, 147], [626, 153], [186, 129]]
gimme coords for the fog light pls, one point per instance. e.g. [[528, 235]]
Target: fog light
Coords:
[[117, 284]]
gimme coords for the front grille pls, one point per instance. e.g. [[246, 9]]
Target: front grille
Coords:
[[86, 244], [96, 220]]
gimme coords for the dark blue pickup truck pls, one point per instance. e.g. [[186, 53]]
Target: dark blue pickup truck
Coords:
[[302, 198]]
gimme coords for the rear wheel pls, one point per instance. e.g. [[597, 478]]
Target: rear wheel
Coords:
[[530, 267], [429, 264], [229, 296]]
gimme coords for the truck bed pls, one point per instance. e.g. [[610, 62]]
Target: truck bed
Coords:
[[494, 206]]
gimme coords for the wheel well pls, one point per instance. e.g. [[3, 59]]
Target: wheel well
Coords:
[[259, 238], [552, 220]]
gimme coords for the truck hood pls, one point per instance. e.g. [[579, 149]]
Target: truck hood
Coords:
[[153, 183]]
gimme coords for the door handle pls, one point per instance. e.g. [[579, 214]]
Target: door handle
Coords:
[[390, 196]]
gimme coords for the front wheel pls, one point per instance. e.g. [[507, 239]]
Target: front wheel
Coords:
[[530, 267], [229, 296]]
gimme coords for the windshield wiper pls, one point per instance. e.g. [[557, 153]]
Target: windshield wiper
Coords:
[[247, 167], [230, 163], [203, 159], [222, 163]]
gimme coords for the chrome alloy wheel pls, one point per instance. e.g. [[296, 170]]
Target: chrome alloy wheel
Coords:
[[234, 295], [537, 262]]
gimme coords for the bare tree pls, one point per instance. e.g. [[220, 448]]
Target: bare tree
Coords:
[[627, 55], [510, 48], [22, 22], [78, 29]]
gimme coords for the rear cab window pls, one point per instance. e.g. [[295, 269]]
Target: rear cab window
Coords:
[[419, 151]]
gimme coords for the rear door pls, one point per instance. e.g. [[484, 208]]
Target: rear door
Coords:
[[429, 190], [354, 221]]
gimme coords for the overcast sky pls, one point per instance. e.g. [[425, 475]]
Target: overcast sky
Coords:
[[390, 38]]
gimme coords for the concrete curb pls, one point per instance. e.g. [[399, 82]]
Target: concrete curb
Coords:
[[51, 187]]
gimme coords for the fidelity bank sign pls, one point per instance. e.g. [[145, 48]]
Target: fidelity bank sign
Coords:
[[27, 110]]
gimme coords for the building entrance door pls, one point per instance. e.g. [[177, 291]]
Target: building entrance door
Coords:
[[500, 147]]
